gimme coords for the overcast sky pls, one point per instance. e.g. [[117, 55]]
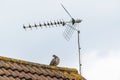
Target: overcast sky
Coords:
[[99, 38]]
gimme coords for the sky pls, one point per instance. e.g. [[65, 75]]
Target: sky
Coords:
[[99, 37]]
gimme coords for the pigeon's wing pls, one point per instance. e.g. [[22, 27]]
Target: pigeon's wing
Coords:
[[57, 61], [53, 61]]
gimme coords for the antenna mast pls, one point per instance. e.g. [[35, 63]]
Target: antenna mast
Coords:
[[80, 64]]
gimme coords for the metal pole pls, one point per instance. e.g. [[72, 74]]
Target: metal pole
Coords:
[[79, 51]]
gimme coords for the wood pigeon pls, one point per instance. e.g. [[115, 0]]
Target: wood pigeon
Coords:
[[55, 61]]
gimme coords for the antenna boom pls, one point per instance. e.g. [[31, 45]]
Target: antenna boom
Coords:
[[55, 23]]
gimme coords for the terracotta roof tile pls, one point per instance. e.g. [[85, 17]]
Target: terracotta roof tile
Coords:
[[24, 68], [14, 69]]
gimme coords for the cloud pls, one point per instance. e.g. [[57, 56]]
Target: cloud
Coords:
[[106, 68]]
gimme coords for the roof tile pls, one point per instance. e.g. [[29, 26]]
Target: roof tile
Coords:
[[24, 68], [14, 69]]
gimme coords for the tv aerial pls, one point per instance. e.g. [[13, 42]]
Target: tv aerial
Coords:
[[71, 26]]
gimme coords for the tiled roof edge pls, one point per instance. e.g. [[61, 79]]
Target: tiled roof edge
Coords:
[[69, 70]]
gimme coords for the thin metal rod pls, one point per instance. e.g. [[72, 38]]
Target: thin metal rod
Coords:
[[79, 51], [66, 10]]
